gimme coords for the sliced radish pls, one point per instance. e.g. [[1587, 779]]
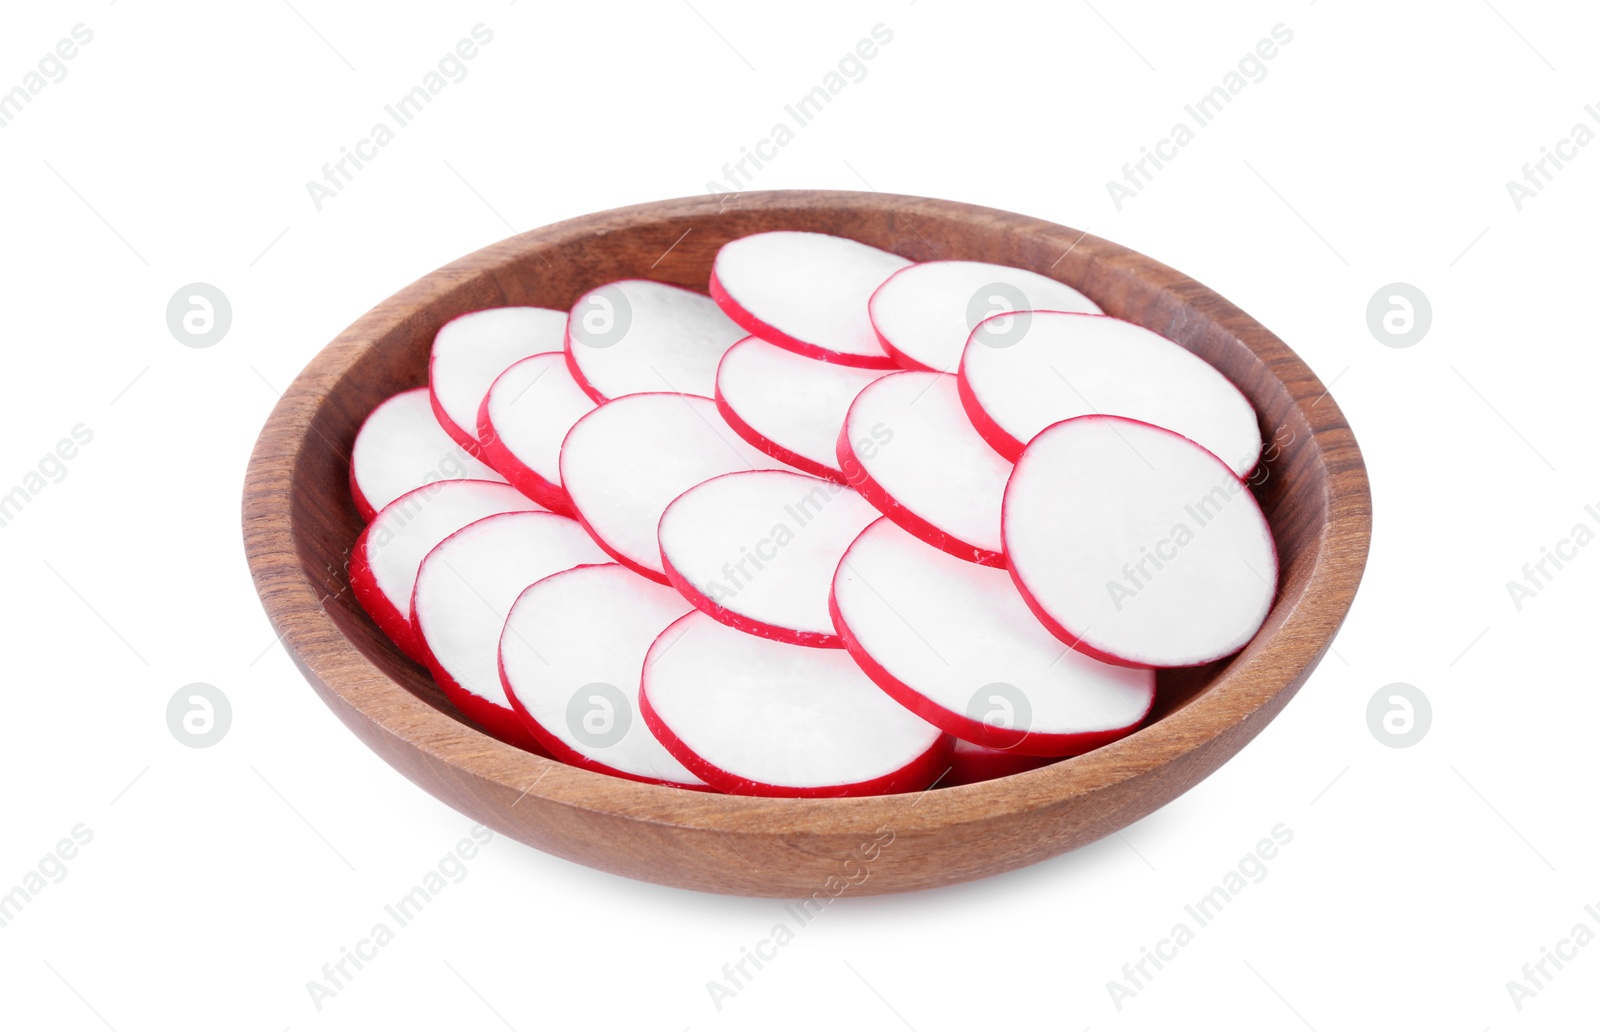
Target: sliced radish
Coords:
[[924, 314], [1065, 364], [807, 292], [623, 463], [757, 550], [1137, 545], [754, 716], [954, 643], [523, 420], [401, 447], [471, 350], [384, 561], [910, 451], [570, 657], [635, 336], [788, 405], [465, 588], [970, 764]]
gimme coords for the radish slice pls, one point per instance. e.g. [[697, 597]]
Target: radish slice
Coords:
[[1137, 545], [807, 292], [908, 448], [523, 420], [757, 550], [924, 314], [970, 764], [570, 657], [471, 350], [954, 643], [400, 448], [623, 463], [1068, 364], [635, 336], [754, 716], [465, 588], [789, 406], [384, 561]]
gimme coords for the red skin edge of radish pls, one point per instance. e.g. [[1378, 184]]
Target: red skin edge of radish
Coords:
[[561, 751], [917, 776], [572, 367], [1050, 746], [772, 335], [1056, 628], [901, 359], [501, 459], [499, 721], [740, 622], [643, 571], [1011, 447], [455, 433], [856, 476], [364, 508], [395, 625], [768, 447], [969, 769]]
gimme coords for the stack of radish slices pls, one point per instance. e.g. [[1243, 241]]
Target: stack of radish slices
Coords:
[[848, 525]]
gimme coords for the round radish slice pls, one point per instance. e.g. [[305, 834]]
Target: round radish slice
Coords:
[[757, 550], [384, 561], [401, 447], [471, 350], [1136, 545], [788, 405], [465, 588], [754, 716], [807, 292], [623, 463], [970, 764], [523, 420], [910, 451], [955, 644], [634, 336], [570, 657], [1064, 364], [924, 314]]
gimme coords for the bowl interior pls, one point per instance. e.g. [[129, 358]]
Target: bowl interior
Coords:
[[676, 243]]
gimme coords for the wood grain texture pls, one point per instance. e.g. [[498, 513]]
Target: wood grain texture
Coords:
[[299, 524]]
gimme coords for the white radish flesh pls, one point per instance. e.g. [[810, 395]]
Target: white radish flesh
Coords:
[[1059, 365], [471, 350], [754, 716], [465, 588], [807, 292], [625, 462], [924, 314], [634, 336], [570, 657], [910, 451], [790, 406], [956, 644], [523, 420], [757, 550], [1137, 545], [385, 559], [401, 447]]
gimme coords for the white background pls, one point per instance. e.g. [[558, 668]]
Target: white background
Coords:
[[220, 880]]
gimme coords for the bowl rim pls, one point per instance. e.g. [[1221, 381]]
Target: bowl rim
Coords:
[[1243, 697]]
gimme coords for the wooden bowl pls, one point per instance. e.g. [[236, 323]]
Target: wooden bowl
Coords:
[[299, 524]]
